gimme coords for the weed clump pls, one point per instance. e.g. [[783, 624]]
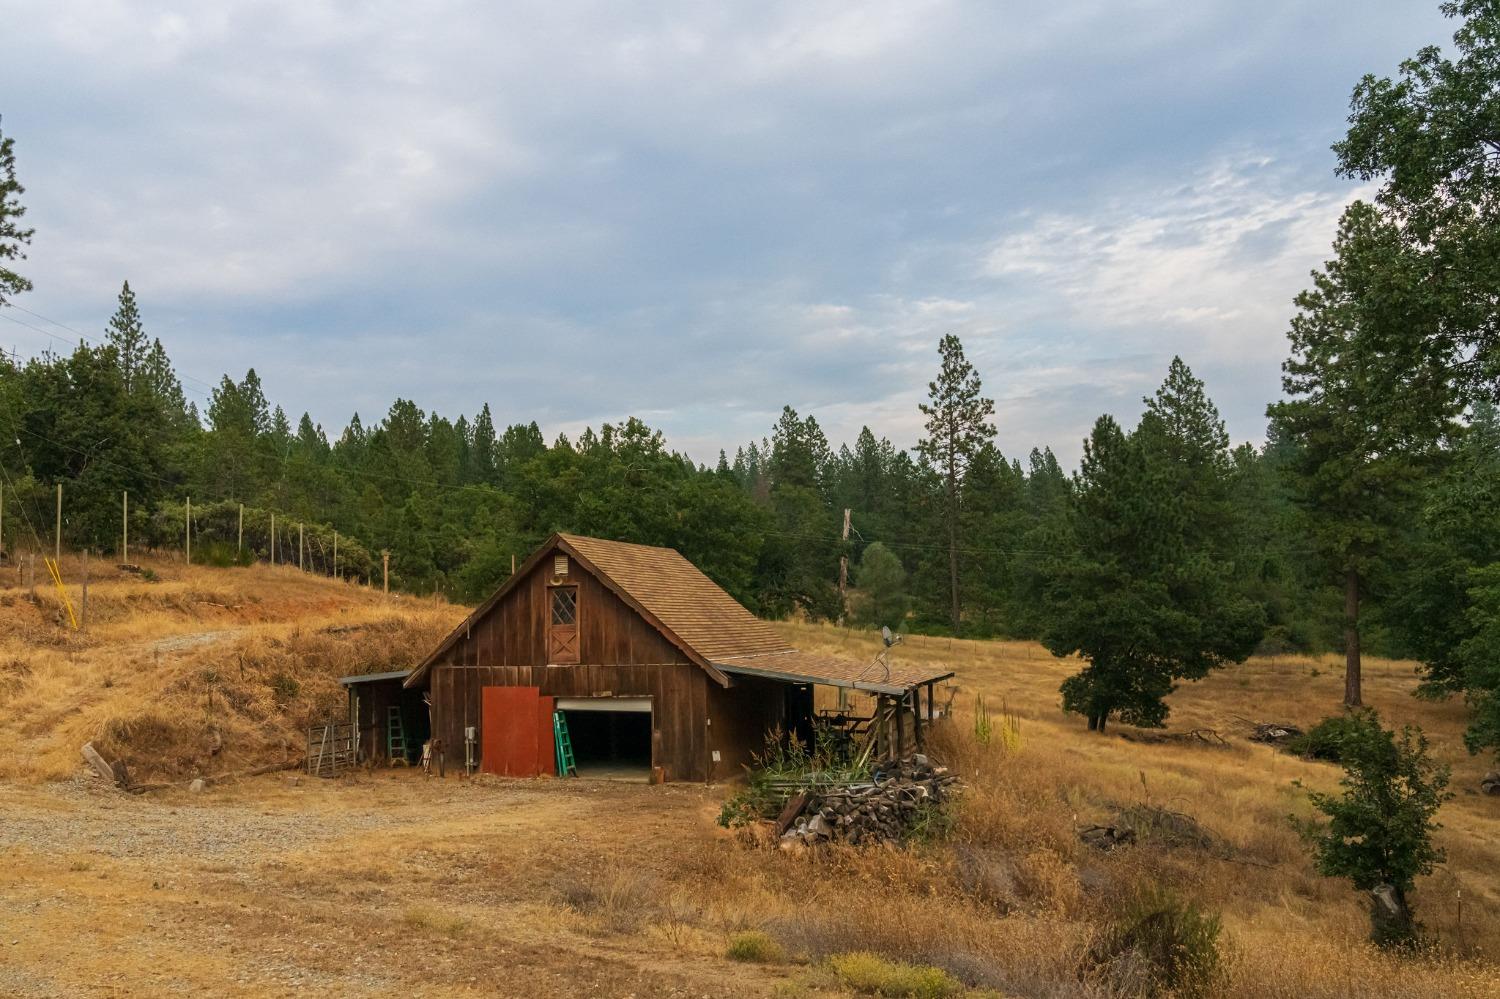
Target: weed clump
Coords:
[[871, 974], [755, 947], [1159, 944]]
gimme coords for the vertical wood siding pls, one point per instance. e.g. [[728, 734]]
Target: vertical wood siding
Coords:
[[620, 654]]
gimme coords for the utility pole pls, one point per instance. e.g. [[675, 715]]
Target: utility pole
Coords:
[[57, 560], [299, 547], [385, 572], [125, 527], [187, 520], [844, 571], [240, 544], [335, 554], [273, 539]]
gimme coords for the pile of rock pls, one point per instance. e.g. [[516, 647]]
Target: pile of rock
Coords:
[[1490, 783], [882, 810]]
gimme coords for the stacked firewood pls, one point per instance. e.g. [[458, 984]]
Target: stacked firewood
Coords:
[[883, 810]]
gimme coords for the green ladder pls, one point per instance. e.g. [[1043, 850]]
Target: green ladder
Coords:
[[566, 765], [395, 738]]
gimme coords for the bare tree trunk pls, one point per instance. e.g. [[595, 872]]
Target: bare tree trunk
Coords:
[[953, 546], [1352, 697]]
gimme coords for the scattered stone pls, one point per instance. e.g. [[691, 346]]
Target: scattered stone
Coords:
[[1490, 783], [197, 785]]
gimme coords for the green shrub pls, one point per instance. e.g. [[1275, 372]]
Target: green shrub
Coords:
[[1379, 833], [222, 555], [755, 947], [1161, 943], [872, 974], [1326, 739]]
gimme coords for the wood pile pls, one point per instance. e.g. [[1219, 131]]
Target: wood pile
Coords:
[[1273, 734], [883, 810]]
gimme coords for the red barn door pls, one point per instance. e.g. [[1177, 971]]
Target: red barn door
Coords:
[[516, 738]]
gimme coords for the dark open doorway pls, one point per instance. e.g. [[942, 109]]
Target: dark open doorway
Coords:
[[611, 744]]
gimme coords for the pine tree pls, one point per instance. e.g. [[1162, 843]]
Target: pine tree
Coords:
[[1368, 403], [126, 334], [482, 449], [1140, 587], [12, 237], [957, 426], [881, 580]]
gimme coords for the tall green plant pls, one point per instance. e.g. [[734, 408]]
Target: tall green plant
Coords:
[[1379, 830]]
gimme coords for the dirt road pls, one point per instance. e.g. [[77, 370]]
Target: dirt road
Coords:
[[373, 885]]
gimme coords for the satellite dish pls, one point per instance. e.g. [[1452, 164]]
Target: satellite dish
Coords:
[[887, 637]]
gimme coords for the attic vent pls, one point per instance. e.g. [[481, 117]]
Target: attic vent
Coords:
[[560, 565]]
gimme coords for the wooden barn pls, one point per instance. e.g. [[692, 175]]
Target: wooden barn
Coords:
[[653, 668]]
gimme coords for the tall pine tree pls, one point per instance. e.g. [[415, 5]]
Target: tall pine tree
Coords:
[[1369, 399], [958, 425]]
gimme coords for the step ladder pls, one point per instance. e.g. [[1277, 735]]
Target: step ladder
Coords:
[[566, 765], [395, 738]]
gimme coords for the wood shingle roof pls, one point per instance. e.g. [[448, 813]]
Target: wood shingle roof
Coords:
[[693, 606]]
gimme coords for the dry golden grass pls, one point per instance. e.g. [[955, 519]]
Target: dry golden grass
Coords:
[[633, 887], [1016, 891], [202, 671]]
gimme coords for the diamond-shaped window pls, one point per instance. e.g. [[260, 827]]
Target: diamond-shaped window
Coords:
[[565, 605]]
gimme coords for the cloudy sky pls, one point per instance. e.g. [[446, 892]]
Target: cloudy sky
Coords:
[[693, 213]]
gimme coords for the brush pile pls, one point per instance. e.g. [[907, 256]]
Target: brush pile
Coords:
[[886, 809]]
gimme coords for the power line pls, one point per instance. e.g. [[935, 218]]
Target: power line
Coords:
[[83, 336]]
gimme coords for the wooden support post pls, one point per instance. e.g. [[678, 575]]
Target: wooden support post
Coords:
[[844, 573], [240, 544], [931, 712], [57, 558], [125, 527], [916, 714], [899, 704], [83, 608], [187, 520], [273, 539], [385, 572], [299, 547], [335, 554]]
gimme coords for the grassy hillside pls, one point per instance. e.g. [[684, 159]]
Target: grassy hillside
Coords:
[[1288, 931], [215, 670], [197, 671]]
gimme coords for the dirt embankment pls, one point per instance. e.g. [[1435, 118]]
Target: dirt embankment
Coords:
[[192, 670]]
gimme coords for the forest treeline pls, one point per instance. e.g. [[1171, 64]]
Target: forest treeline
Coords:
[[455, 499]]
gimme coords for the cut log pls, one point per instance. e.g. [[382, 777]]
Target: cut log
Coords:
[[789, 814]]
